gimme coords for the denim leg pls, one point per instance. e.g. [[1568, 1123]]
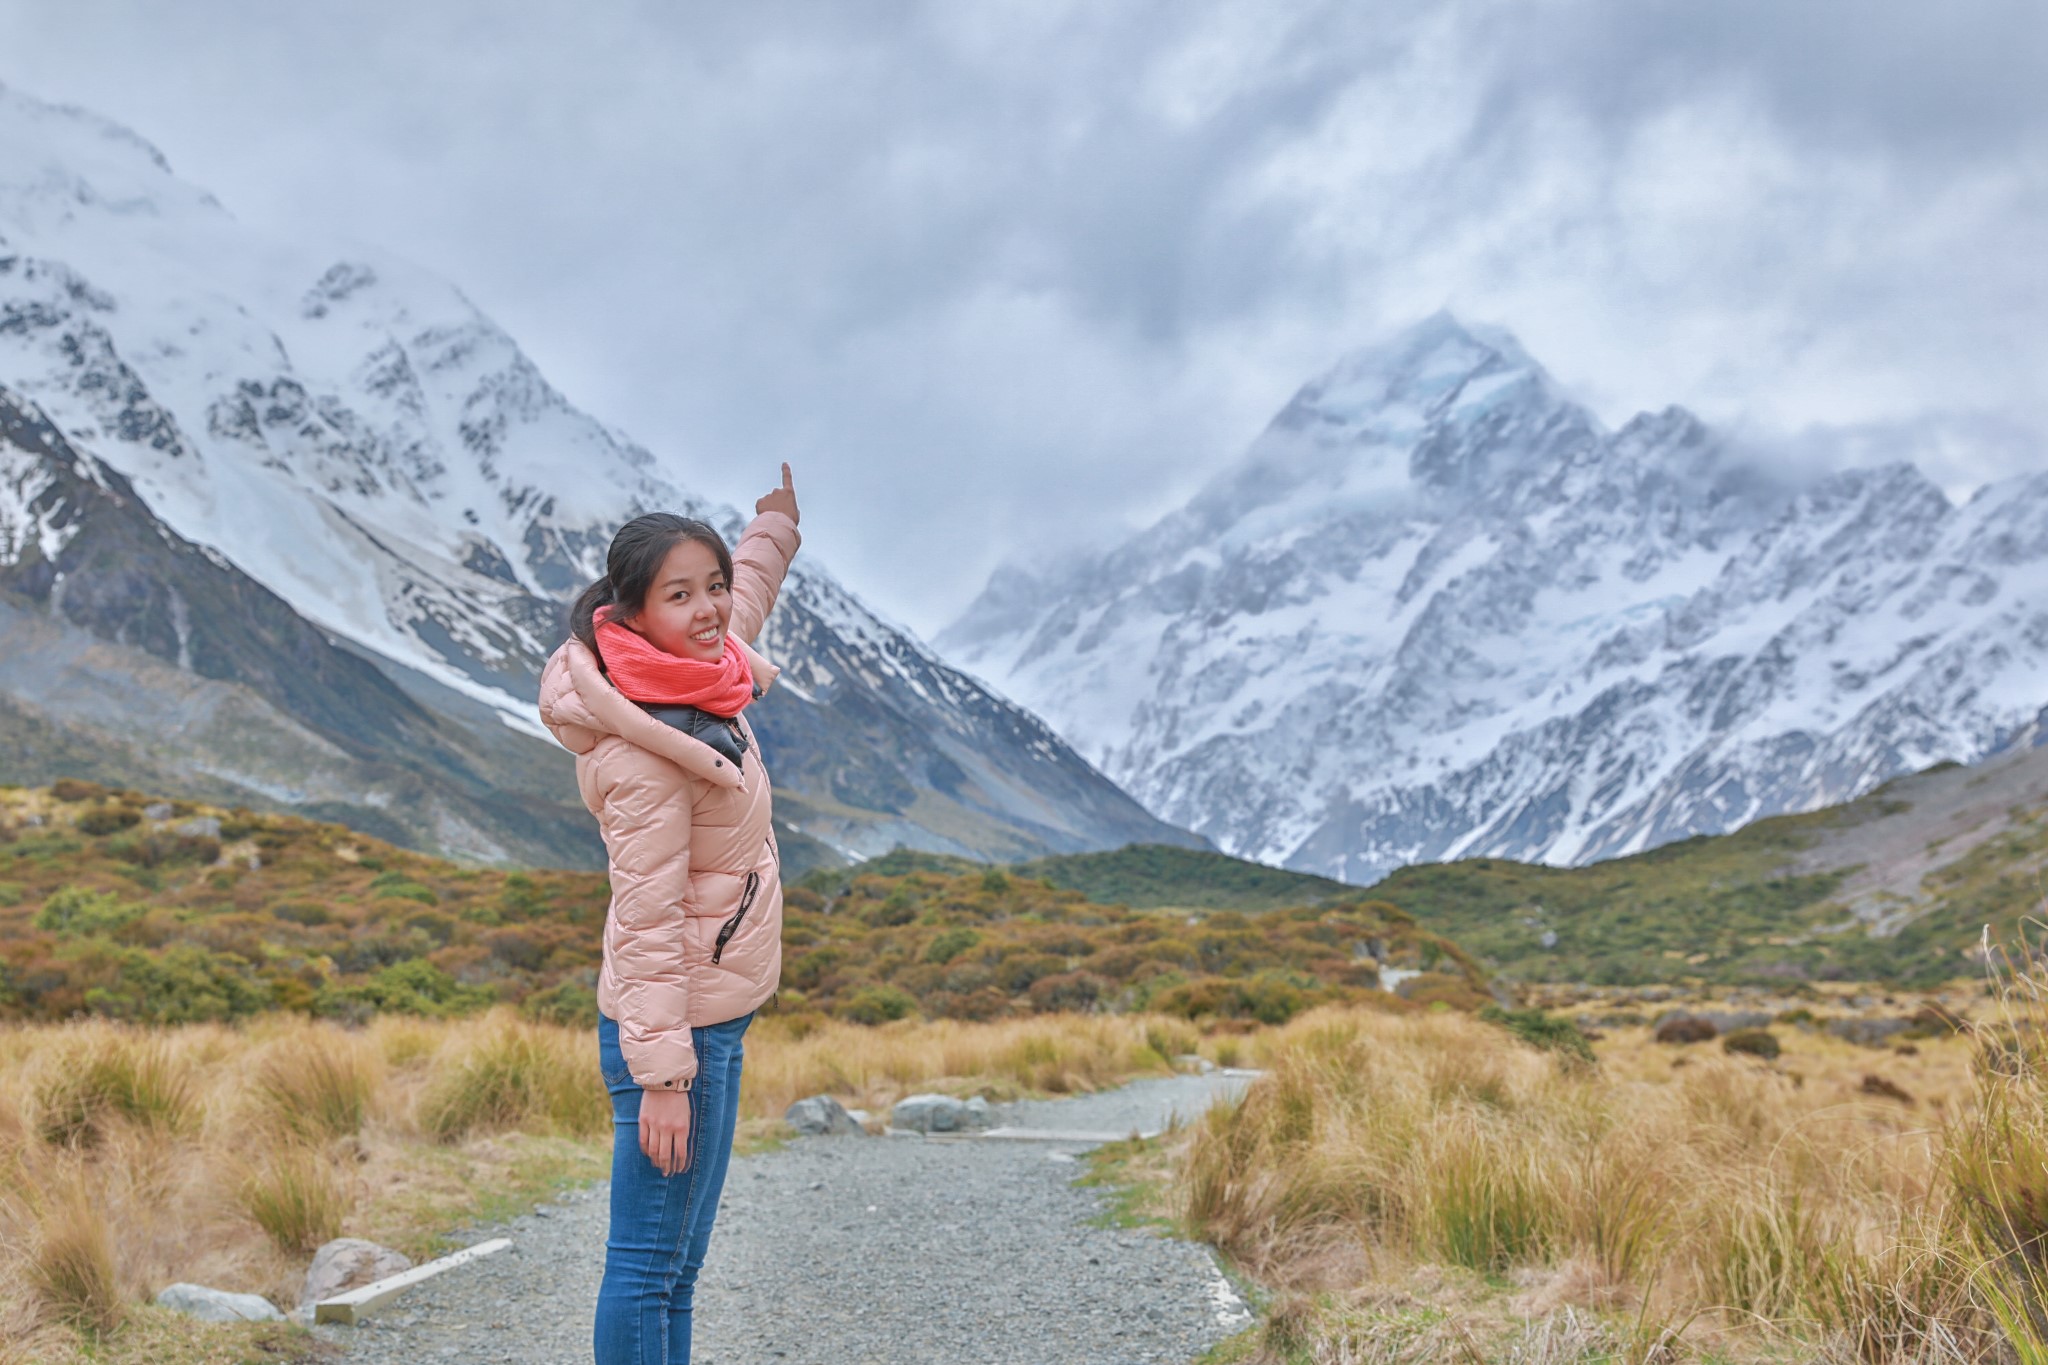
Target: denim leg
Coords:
[[714, 1116], [661, 1225]]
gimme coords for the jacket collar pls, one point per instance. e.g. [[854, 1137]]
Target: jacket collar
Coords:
[[615, 712]]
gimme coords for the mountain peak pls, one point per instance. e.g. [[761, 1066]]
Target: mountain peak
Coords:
[[51, 144]]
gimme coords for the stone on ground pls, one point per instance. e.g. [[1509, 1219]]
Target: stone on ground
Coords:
[[348, 1263], [217, 1305], [939, 1114], [822, 1116]]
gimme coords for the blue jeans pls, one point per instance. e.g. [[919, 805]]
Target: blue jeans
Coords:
[[661, 1225]]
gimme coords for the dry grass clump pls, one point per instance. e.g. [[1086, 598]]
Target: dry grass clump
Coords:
[[106, 1074], [1759, 1202], [508, 1075], [315, 1088], [71, 1260], [295, 1193]]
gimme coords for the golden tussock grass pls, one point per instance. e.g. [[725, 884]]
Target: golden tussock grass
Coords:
[[1694, 1203], [791, 1057], [131, 1158]]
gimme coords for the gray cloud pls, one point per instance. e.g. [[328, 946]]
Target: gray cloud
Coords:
[[1000, 278]]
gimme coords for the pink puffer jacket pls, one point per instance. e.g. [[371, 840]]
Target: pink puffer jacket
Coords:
[[690, 845]]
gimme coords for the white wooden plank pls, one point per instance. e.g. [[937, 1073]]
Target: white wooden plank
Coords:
[[358, 1304], [1086, 1135]]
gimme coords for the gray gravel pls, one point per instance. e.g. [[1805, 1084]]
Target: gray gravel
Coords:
[[895, 1250]]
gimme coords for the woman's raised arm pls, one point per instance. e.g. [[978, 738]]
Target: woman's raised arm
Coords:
[[762, 558]]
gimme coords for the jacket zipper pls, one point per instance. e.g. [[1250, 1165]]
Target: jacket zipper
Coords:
[[732, 926]]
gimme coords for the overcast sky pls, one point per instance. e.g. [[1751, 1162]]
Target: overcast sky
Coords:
[[999, 276]]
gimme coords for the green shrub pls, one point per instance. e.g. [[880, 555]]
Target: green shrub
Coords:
[[402, 887], [10, 893], [951, 944], [893, 910], [415, 986], [311, 914], [70, 789], [1542, 1031], [74, 910], [182, 984], [876, 1005], [1752, 1042], [160, 848], [108, 820], [1268, 997], [565, 1002]]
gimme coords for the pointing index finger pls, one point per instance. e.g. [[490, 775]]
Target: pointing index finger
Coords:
[[785, 477]]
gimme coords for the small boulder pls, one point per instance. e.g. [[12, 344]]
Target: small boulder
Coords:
[[156, 810], [822, 1116], [217, 1305], [199, 827], [939, 1114], [348, 1263]]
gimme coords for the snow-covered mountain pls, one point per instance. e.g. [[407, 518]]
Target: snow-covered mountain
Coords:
[[1438, 610], [351, 433]]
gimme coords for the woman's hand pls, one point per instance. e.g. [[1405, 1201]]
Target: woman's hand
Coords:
[[665, 1129], [781, 499]]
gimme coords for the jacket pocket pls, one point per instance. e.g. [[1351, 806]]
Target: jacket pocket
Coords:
[[732, 925]]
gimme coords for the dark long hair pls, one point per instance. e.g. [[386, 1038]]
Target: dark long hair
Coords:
[[630, 565]]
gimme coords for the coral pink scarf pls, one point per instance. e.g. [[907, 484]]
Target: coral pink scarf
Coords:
[[645, 673]]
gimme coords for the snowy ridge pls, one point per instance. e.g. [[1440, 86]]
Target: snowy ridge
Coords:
[[1438, 611], [354, 435]]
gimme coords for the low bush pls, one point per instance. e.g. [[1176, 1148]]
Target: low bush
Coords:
[[566, 1002], [876, 1005], [1542, 1031], [1753, 1042], [103, 820], [1686, 1028], [74, 910]]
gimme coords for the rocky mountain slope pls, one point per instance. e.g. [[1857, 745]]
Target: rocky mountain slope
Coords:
[[1438, 610], [351, 434], [130, 655]]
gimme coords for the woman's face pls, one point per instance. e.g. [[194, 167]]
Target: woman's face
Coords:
[[688, 606]]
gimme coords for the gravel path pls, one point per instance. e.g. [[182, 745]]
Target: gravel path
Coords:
[[892, 1250]]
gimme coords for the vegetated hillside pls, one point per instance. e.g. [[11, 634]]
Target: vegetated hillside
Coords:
[[116, 904], [1151, 876], [1897, 886]]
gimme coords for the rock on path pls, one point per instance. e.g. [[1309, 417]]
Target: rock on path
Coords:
[[843, 1251]]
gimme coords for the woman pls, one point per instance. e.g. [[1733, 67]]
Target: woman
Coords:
[[650, 694]]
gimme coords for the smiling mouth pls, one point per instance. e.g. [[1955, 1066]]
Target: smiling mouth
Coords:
[[708, 637]]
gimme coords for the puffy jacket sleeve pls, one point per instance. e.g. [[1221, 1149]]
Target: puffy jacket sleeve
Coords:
[[647, 833], [766, 547]]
